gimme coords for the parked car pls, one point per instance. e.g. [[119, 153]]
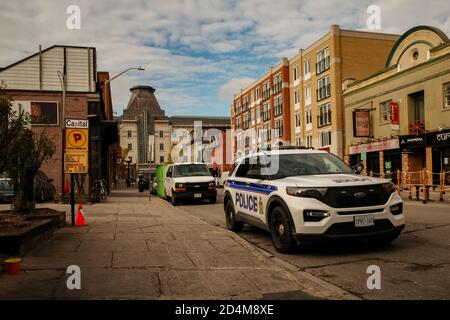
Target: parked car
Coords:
[[189, 181], [6, 189], [44, 188]]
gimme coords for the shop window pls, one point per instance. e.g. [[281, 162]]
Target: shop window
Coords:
[[447, 95], [385, 111], [44, 113]]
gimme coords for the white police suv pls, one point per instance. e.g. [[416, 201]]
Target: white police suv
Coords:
[[301, 195]]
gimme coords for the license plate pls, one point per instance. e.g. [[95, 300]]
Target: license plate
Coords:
[[197, 195], [364, 221]]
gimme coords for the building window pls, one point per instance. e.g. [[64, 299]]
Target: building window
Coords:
[[257, 94], [385, 111], [129, 134], [246, 121], [297, 96], [323, 61], [295, 73], [324, 115], [238, 107], [161, 159], [268, 134], [278, 106], [325, 138], [324, 87], [298, 142], [278, 128], [266, 112], [447, 95], [130, 147], [297, 119], [307, 94], [266, 91], [161, 146], [245, 104], [238, 123], [308, 116], [306, 67], [247, 141], [309, 143], [278, 84], [161, 134]]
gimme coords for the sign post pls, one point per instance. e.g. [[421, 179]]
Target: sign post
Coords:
[[76, 154]]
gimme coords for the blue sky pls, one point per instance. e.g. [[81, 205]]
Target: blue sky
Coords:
[[196, 52]]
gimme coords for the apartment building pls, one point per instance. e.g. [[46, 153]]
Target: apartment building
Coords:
[[399, 118], [260, 113], [316, 75]]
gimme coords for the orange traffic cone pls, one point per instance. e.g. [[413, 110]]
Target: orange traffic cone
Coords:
[[80, 220], [66, 187]]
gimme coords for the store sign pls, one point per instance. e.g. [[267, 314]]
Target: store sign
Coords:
[[361, 123], [395, 116], [375, 146], [440, 138], [76, 155], [412, 141]]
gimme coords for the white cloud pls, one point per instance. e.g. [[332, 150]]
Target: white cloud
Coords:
[[191, 44], [233, 86]]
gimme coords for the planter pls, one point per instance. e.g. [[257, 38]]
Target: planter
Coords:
[[26, 237], [58, 217]]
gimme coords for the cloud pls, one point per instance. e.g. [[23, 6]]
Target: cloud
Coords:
[[233, 86], [197, 53]]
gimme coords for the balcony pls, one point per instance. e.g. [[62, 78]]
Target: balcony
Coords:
[[277, 87], [323, 65], [323, 92]]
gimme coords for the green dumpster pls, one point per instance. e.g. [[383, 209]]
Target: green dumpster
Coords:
[[160, 174]]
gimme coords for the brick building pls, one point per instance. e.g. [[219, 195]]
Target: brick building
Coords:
[[35, 84], [260, 113]]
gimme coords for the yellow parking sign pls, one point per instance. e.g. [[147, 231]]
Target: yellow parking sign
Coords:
[[77, 147]]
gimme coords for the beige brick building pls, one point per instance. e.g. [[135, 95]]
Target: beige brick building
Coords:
[[316, 74], [406, 106]]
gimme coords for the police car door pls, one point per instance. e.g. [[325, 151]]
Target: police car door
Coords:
[[258, 188], [247, 195]]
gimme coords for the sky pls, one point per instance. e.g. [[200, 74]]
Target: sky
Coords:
[[196, 53]]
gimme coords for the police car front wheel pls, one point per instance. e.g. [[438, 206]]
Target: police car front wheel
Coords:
[[230, 218], [281, 231]]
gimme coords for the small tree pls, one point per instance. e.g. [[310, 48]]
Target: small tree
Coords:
[[11, 124], [30, 152]]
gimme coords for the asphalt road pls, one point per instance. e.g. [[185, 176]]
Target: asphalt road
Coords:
[[415, 266]]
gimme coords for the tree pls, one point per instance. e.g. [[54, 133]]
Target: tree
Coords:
[[30, 151], [11, 124]]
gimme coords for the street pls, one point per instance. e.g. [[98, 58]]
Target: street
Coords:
[[136, 247], [415, 266]]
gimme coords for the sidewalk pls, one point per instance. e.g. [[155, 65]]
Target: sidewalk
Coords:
[[136, 248]]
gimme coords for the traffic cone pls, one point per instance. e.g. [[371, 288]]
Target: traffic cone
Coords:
[[80, 221], [66, 187]]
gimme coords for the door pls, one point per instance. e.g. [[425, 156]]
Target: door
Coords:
[[168, 181]]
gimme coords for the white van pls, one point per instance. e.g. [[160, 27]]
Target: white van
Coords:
[[189, 181]]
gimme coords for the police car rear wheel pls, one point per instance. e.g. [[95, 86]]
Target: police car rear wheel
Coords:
[[230, 218], [281, 231]]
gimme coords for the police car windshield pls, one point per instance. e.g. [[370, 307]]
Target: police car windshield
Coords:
[[191, 170], [309, 164]]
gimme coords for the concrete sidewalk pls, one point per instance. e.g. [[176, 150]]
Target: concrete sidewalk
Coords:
[[136, 248]]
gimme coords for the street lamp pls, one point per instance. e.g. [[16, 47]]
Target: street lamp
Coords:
[[118, 75], [62, 79]]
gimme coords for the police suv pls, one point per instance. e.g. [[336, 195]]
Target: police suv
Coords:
[[301, 195]]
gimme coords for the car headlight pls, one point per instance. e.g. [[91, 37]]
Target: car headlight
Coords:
[[316, 193], [179, 185], [389, 187]]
